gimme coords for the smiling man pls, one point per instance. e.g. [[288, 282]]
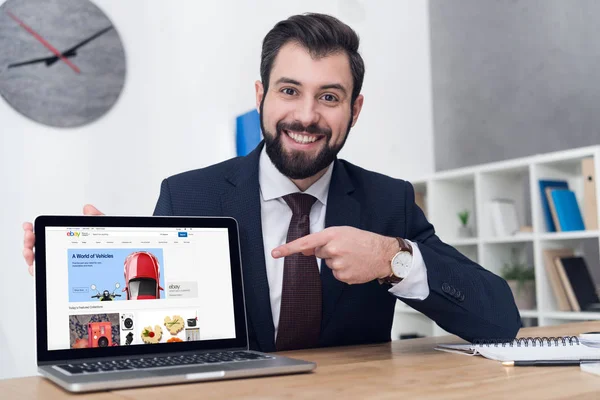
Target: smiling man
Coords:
[[328, 247]]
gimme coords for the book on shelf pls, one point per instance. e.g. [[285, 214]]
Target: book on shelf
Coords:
[[547, 183], [578, 283], [590, 203], [560, 294], [503, 213], [565, 210]]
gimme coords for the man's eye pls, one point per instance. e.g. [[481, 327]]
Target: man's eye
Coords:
[[329, 97], [288, 91]]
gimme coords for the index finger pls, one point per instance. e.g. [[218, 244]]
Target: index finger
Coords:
[[29, 239], [306, 245]]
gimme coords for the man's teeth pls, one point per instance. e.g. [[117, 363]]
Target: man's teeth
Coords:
[[301, 138]]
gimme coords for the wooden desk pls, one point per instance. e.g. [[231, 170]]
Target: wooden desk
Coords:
[[403, 369]]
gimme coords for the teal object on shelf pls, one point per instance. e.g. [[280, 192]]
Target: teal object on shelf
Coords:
[[247, 132], [567, 210]]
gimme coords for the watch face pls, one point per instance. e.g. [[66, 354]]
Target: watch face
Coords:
[[62, 62], [401, 264]]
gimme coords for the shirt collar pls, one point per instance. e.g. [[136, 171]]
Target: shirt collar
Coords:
[[273, 184]]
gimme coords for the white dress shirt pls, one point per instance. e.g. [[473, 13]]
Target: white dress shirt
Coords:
[[276, 216]]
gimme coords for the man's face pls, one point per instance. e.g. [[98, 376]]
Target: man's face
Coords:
[[306, 113]]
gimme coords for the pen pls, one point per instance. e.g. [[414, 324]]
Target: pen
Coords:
[[545, 363]]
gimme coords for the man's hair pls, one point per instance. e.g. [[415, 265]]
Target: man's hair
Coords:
[[322, 35]]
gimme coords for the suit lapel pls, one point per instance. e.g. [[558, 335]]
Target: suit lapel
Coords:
[[242, 201], [342, 210]]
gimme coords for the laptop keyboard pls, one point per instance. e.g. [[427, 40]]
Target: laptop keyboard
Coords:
[[160, 362]]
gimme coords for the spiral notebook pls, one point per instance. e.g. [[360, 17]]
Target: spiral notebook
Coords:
[[527, 349]]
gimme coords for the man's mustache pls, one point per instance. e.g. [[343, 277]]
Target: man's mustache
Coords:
[[299, 127]]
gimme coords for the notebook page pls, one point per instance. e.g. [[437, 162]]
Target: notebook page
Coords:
[[529, 349], [568, 352]]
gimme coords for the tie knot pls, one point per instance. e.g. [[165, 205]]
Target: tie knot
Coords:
[[300, 203]]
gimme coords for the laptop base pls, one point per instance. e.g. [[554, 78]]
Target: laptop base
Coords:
[[278, 365]]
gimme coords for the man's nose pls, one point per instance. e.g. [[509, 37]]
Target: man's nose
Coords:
[[307, 113]]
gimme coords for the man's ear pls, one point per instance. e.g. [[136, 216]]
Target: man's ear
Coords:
[[356, 108], [358, 103], [260, 92]]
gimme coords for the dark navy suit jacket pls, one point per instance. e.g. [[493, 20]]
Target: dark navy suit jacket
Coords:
[[464, 298]]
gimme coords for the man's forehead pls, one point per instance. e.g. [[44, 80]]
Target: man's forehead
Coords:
[[295, 62]]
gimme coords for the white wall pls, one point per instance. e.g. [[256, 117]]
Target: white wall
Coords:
[[191, 69]]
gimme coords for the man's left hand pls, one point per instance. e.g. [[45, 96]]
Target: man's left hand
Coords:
[[354, 256]]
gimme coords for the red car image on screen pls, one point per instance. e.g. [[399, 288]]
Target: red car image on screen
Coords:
[[142, 276]]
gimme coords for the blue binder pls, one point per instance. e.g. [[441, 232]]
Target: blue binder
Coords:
[[247, 132], [545, 206], [567, 210]]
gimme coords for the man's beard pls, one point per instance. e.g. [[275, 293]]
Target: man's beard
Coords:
[[297, 164]]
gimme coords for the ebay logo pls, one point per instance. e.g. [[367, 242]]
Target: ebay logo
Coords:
[[71, 233]]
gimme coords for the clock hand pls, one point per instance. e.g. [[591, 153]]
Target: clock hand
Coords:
[[86, 41], [44, 42], [48, 60], [72, 52], [52, 60]]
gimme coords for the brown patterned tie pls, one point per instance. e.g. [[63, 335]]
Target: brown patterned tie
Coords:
[[301, 297]]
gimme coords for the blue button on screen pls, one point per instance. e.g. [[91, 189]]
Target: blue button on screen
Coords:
[[182, 234]]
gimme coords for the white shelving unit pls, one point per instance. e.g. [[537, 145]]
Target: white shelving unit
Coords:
[[448, 192]]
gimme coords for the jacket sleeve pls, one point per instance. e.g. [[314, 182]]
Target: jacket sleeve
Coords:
[[464, 298], [164, 207]]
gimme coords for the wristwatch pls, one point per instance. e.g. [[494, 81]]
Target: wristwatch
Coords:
[[400, 263]]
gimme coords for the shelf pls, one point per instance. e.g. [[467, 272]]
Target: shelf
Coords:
[[524, 237], [474, 188], [565, 155], [569, 235], [572, 315], [529, 313], [464, 175], [462, 242], [520, 238]]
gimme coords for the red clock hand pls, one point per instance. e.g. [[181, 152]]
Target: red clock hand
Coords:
[[44, 42]]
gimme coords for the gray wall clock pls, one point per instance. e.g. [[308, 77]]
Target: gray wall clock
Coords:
[[62, 62]]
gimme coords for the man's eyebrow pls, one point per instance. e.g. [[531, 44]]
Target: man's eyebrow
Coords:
[[324, 87], [288, 80], [335, 86]]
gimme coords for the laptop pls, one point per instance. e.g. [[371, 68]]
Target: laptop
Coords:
[[138, 301]]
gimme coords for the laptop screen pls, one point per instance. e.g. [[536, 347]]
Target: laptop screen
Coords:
[[118, 286]]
